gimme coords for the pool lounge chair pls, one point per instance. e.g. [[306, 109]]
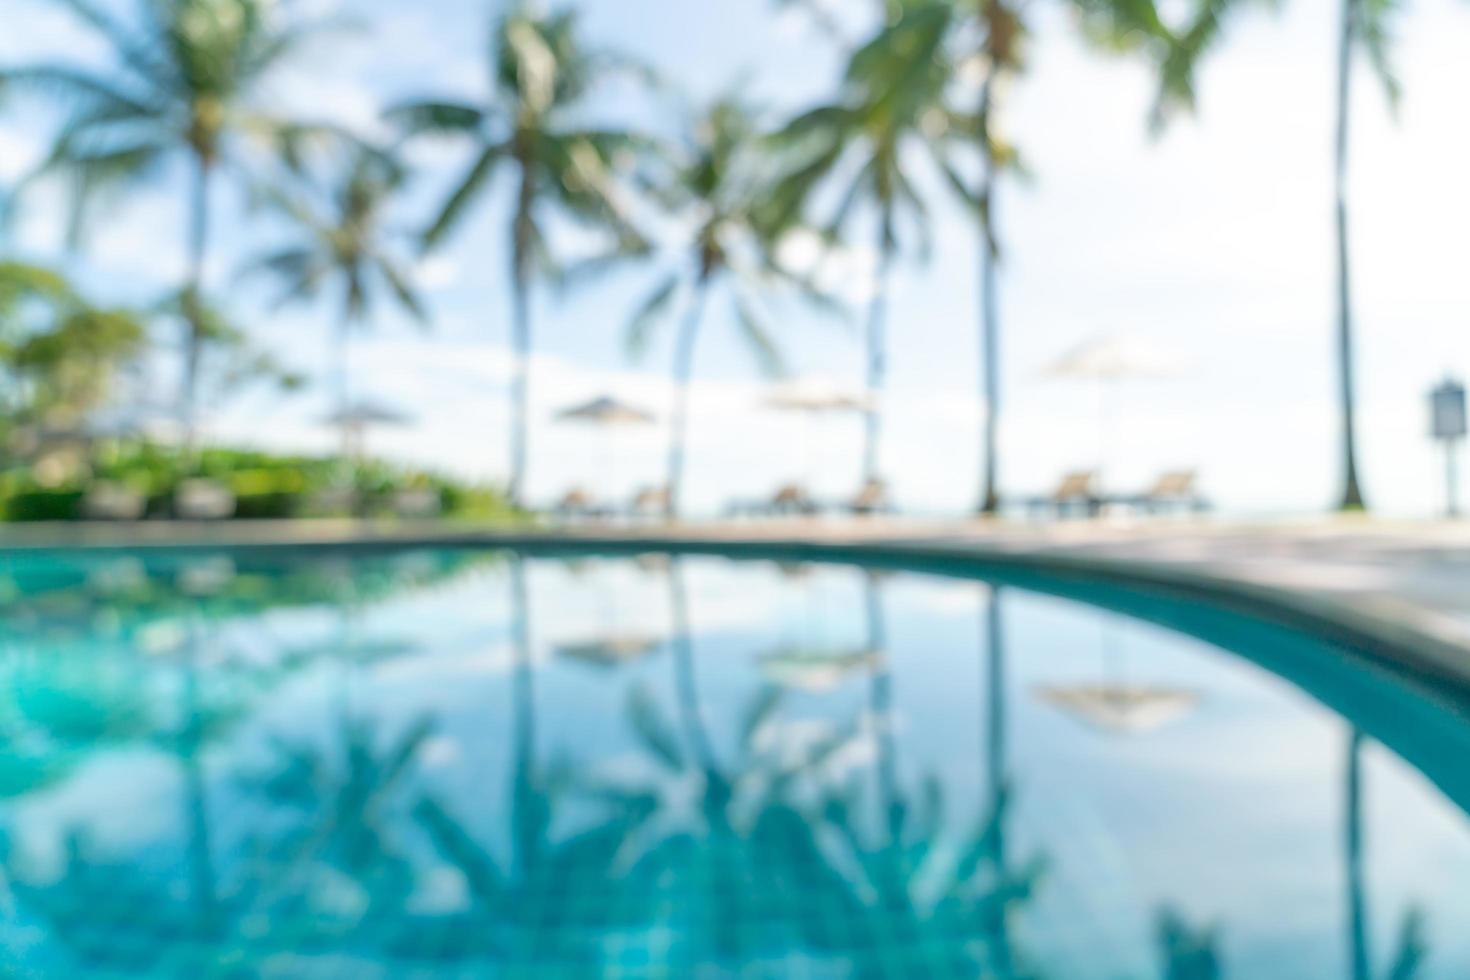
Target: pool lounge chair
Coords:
[[789, 499], [792, 499], [578, 503], [1077, 491], [108, 500], [871, 499], [650, 502], [1173, 490], [417, 503], [203, 500]]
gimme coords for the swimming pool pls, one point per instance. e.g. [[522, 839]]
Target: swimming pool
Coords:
[[461, 762]]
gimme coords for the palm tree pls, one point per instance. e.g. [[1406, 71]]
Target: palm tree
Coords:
[[893, 100], [1364, 30], [719, 177], [541, 75], [1410, 949], [61, 356], [342, 242], [1003, 32], [186, 85]]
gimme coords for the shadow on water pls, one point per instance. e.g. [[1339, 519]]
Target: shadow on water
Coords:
[[745, 838]]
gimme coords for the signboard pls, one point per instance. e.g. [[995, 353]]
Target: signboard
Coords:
[[1447, 411]]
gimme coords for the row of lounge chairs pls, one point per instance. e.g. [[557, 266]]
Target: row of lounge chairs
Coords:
[[210, 500], [1079, 492], [790, 500]]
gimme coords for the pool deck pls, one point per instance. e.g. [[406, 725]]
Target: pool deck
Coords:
[[1399, 583]]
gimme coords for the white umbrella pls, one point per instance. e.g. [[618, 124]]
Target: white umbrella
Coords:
[[355, 418], [1114, 357], [1116, 704], [605, 410], [1121, 708], [816, 671], [815, 396], [1109, 359]]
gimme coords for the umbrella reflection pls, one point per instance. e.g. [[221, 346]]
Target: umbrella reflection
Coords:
[[1118, 706]]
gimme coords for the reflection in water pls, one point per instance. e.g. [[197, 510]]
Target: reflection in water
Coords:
[[310, 767]]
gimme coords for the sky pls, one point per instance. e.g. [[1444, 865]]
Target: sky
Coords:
[[1211, 242]]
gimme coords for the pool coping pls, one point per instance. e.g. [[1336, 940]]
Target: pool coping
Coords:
[[1394, 632]]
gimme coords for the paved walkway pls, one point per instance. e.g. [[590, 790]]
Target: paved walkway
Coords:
[[1412, 574]]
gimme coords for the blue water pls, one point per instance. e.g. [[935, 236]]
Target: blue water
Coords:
[[460, 763]]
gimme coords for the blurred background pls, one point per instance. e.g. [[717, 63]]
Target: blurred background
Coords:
[[1205, 238]]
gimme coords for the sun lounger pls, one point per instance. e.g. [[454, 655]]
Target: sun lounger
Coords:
[[203, 500], [1174, 490], [578, 503], [107, 500], [650, 502], [1077, 491], [871, 499]]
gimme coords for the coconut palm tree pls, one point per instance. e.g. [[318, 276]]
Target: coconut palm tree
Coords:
[[893, 103], [185, 86], [1002, 33], [342, 244], [532, 122], [720, 177], [61, 356], [1410, 949], [1364, 31]]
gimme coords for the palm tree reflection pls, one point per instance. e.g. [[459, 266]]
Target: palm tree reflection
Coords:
[[1410, 949]]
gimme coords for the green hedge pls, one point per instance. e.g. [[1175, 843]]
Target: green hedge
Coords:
[[264, 485]]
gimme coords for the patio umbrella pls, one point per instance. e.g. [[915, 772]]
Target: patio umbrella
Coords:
[[356, 418], [813, 397], [1130, 709], [610, 644], [1116, 704], [612, 650], [816, 671], [1108, 360], [606, 411]]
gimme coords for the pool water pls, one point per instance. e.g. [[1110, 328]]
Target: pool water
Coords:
[[461, 763]]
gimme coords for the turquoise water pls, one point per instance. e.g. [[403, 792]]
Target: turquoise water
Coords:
[[465, 764]]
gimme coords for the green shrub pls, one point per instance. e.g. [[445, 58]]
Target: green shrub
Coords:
[[44, 505]]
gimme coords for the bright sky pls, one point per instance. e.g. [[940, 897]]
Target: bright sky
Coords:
[[1212, 243]]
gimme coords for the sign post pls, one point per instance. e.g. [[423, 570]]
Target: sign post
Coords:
[[1448, 425]]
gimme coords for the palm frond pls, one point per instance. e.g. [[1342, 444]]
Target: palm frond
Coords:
[[653, 731], [403, 290], [1374, 35], [435, 116], [139, 51], [647, 316], [757, 335], [77, 86], [468, 188]]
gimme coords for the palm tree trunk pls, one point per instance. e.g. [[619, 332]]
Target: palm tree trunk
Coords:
[[683, 662], [877, 356], [520, 385], [989, 305], [522, 234], [1353, 834], [203, 894], [1352, 494], [525, 799], [679, 416], [880, 706], [998, 925], [193, 296], [342, 396]]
